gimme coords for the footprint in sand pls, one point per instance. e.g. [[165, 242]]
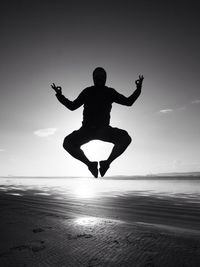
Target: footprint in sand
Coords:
[[35, 246], [70, 237], [38, 230], [41, 229]]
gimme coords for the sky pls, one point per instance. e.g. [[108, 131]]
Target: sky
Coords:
[[62, 42]]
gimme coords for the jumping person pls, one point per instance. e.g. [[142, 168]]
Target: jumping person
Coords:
[[97, 101]]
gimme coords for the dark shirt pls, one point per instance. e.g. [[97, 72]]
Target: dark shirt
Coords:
[[97, 103]]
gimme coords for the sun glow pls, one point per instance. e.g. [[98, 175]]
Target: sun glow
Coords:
[[97, 150], [85, 190]]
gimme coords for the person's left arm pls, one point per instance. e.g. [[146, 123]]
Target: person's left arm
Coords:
[[128, 101]]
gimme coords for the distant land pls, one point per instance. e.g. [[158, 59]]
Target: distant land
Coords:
[[177, 174], [157, 176]]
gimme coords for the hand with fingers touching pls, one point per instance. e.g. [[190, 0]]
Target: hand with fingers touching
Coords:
[[139, 81], [57, 89]]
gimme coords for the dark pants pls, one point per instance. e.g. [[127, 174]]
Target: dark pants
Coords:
[[106, 133]]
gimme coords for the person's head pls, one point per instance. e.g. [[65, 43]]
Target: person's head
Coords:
[[99, 76]]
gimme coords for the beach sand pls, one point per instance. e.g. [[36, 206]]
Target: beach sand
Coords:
[[41, 229]]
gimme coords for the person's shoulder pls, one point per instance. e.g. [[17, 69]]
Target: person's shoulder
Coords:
[[111, 90], [88, 89]]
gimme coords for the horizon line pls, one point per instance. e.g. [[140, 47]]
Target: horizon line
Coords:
[[192, 173]]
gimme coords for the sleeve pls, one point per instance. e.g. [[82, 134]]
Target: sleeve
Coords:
[[72, 105], [123, 100]]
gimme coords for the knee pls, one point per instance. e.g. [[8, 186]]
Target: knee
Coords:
[[67, 143], [128, 139]]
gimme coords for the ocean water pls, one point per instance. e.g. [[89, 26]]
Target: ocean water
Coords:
[[168, 203], [93, 188]]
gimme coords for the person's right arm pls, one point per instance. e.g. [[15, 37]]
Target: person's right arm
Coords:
[[71, 105]]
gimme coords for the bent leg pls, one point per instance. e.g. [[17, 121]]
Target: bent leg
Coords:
[[121, 140], [72, 144]]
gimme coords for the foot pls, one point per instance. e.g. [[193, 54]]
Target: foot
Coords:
[[104, 166], [93, 168]]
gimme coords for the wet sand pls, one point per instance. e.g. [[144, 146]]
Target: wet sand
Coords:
[[42, 228]]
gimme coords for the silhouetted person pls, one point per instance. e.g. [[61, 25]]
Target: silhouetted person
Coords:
[[97, 101]]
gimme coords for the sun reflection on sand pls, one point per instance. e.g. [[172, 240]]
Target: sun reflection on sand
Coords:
[[88, 221]]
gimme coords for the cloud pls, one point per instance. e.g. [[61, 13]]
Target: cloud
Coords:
[[2, 150], [196, 101], [45, 132], [166, 111]]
